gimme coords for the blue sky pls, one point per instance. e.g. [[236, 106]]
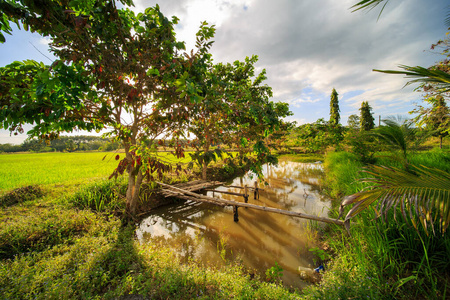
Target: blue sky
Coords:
[[307, 47]]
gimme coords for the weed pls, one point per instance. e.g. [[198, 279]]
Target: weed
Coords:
[[274, 273]]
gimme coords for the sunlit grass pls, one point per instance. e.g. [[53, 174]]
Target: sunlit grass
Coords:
[[57, 168]]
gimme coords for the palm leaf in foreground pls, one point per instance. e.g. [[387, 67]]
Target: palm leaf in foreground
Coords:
[[423, 75], [423, 197]]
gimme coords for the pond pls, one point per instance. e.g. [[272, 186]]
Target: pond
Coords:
[[208, 235]]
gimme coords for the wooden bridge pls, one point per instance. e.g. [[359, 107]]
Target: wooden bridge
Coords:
[[187, 191]]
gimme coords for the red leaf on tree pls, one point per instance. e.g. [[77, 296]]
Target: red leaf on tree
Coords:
[[117, 157]]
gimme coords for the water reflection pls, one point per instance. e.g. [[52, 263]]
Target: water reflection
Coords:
[[208, 234]]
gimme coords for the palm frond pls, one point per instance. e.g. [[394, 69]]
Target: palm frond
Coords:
[[423, 197], [369, 4], [423, 75]]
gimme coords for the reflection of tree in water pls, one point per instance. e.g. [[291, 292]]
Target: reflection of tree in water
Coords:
[[260, 238]]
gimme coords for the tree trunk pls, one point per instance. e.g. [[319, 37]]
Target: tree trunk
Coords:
[[440, 141], [204, 164], [135, 178], [134, 185]]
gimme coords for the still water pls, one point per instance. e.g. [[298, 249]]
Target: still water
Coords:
[[207, 233]]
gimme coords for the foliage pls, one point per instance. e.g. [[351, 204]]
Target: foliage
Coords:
[[439, 78], [363, 145], [113, 66], [381, 259], [22, 194], [334, 108], [366, 121], [235, 107], [399, 135], [103, 196], [318, 136], [126, 72], [423, 195], [353, 122], [435, 119], [63, 143]]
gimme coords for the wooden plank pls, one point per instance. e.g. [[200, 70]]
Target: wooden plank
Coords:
[[263, 208], [241, 187], [225, 192], [191, 186]]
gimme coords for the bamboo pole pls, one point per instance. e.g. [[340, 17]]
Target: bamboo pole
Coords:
[[245, 193], [257, 207], [241, 187], [256, 193]]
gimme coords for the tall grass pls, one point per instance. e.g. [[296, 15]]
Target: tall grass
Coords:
[[382, 260], [101, 196]]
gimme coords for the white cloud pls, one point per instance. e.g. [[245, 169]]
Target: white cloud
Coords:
[[44, 40], [310, 47]]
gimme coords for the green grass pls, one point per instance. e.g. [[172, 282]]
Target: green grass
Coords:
[[68, 243], [53, 168], [57, 168], [381, 260], [54, 252], [304, 158]]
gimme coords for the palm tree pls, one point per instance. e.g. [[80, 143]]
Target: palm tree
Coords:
[[423, 197], [398, 134]]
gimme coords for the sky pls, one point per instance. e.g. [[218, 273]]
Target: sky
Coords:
[[307, 48]]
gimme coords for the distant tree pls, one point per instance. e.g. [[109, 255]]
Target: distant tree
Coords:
[[33, 145], [353, 122], [314, 136], [10, 148], [436, 118], [367, 122], [334, 109]]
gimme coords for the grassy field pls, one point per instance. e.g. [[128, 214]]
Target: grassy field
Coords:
[[53, 168], [58, 168]]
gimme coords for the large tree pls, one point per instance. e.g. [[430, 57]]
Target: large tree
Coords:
[[367, 122], [114, 70]]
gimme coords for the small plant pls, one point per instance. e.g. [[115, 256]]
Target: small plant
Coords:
[[274, 274], [321, 254]]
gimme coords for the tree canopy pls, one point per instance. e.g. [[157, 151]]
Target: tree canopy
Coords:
[[127, 73]]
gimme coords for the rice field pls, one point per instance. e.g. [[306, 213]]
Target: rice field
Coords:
[[53, 168]]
